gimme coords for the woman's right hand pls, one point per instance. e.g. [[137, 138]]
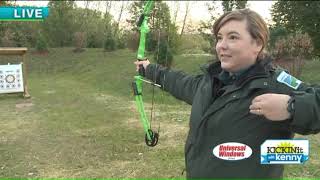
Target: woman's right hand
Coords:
[[144, 63]]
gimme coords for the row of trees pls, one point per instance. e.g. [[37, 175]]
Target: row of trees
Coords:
[[69, 25]]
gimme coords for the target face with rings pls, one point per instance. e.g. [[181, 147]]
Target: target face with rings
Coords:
[[11, 78]]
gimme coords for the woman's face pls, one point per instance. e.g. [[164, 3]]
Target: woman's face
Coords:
[[235, 47]]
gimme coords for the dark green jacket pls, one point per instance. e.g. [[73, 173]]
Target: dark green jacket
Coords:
[[220, 114]]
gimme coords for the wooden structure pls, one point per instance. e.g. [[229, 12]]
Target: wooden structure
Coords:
[[18, 51]]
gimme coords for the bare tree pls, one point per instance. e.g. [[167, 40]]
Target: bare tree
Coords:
[[87, 4], [107, 14], [86, 18], [108, 7], [122, 7], [120, 13], [176, 10], [185, 17]]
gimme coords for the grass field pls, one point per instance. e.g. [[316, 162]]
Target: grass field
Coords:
[[81, 121]]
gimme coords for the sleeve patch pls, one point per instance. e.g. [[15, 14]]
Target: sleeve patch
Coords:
[[288, 80]]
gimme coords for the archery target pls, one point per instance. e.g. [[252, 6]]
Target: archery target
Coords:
[[11, 78]]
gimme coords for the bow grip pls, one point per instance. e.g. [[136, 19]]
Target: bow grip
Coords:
[[142, 71]]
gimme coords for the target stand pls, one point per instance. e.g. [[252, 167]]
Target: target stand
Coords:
[[13, 77]]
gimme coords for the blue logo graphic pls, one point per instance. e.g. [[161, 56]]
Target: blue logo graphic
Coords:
[[288, 80], [8, 13], [294, 151]]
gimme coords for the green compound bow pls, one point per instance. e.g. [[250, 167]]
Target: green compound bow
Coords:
[[151, 137]]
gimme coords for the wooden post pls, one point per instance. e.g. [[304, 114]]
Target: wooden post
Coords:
[[25, 75]]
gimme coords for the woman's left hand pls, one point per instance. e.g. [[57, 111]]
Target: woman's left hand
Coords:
[[272, 106]]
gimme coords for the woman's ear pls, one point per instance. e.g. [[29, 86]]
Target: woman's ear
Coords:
[[258, 45]]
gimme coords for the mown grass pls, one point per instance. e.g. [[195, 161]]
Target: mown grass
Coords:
[[81, 121]]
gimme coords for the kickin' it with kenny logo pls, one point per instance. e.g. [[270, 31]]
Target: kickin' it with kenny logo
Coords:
[[295, 151]]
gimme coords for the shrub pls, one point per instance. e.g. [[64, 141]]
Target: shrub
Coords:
[[291, 52], [110, 42], [133, 40], [7, 39], [163, 54], [79, 41], [41, 43]]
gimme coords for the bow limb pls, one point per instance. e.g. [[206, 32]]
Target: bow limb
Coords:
[[144, 29]]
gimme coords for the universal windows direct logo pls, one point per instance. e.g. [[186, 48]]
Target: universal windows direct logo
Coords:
[[23, 13], [285, 151]]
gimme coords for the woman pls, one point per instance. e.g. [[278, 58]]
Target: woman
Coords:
[[226, 106]]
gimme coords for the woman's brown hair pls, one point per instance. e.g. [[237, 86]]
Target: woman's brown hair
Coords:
[[256, 26]]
